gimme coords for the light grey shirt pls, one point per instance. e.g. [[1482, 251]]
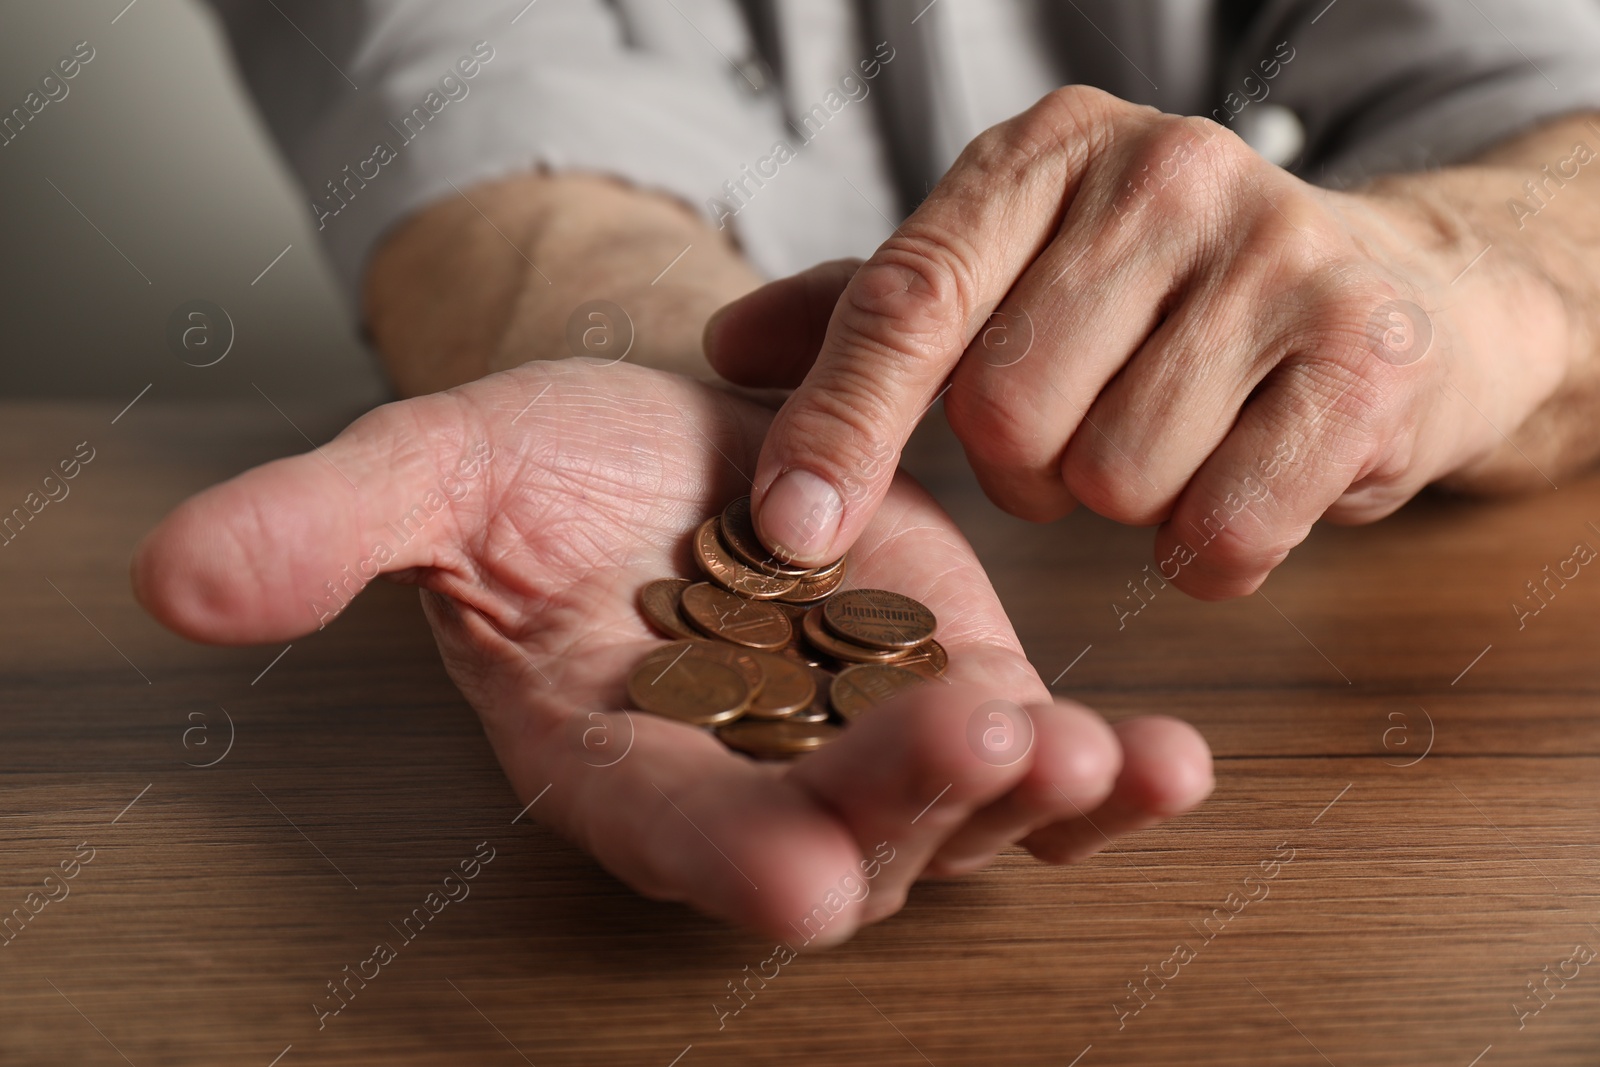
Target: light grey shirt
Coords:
[[811, 127]]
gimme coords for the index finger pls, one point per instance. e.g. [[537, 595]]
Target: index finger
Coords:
[[906, 318]]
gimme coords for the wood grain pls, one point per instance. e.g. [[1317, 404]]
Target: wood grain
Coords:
[[1423, 893]]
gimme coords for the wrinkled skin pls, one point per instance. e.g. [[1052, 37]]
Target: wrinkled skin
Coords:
[[1169, 313], [530, 582]]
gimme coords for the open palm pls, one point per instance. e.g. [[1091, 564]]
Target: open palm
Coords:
[[534, 504]]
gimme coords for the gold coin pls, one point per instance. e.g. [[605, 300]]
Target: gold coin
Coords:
[[776, 740], [863, 687], [659, 603], [878, 618], [786, 688], [718, 613], [814, 587], [928, 659], [722, 567], [678, 683], [738, 531], [819, 638]]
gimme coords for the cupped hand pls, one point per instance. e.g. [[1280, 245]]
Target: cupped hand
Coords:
[[1135, 311], [535, 503]]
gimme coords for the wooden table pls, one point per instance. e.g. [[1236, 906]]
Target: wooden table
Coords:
[[1432, 770]]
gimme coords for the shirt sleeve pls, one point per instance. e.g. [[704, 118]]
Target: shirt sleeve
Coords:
[[385, 105], [1395, 85]]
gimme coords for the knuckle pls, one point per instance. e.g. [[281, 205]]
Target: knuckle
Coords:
[[1185, 164], [1292, 237], [1107, 483], [1073, 119], [1342, 379], [1222, 572], [1338, 361], [1070, 120], [1236, 549], [909, 300], [1360, 402], [1082, 105], [994, 433], [1357, 420], [849, 418]]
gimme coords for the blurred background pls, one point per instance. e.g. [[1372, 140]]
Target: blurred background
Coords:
[[149, 186]]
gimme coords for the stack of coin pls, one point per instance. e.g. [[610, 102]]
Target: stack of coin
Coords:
[[776, 658]]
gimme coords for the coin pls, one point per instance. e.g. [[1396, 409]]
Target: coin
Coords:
[[863, 687], [775, 740], [796, 649], [738, 531], [818, 710], [739, 658], [776, 657], [718, 613], [878, 618], [825, 642], [801, 653], [786, 687], [827, 569], [796, 612], [678, 683], [659, 603], [722, 567], [928, 659], [814, 587]]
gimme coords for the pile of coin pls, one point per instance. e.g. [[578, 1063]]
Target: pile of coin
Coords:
[[776, 659]]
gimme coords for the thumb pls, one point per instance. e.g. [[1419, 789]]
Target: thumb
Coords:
[[281, 549], [769, 337]]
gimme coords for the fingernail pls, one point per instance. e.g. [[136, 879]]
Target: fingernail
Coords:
[[799, 517]]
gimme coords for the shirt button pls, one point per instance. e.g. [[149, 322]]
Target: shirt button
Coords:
[[753, 74], [1274, 131]]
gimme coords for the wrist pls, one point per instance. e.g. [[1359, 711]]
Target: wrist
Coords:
[[1504, 333], [545, 267]]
